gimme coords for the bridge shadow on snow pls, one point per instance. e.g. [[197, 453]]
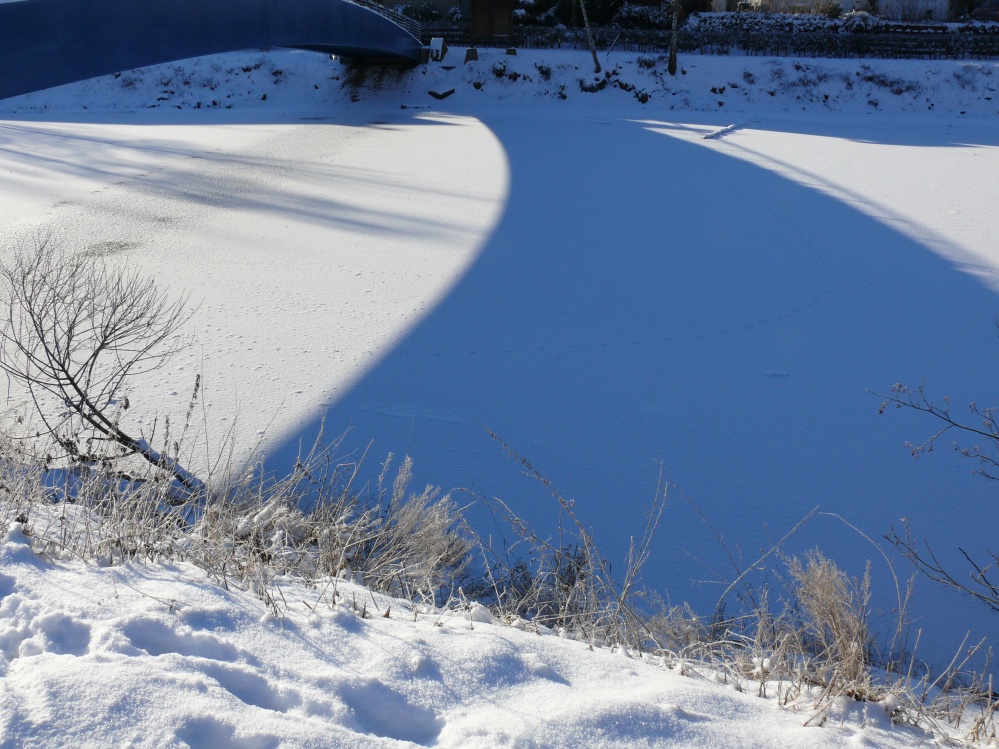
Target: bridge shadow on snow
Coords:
[[628, 311]]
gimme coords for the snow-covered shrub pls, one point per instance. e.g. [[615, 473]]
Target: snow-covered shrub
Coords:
[[829, 8], [553, 12], [539, 13], [643, 17], [592, 86], [422, 12], [859, 21]]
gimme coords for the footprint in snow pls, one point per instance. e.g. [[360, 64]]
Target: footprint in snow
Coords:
[[535, 665], [217, 619], [156, 638], [62, 634], [250, 689], [425, 667], [53, 632], [381, 711], [210, 733]]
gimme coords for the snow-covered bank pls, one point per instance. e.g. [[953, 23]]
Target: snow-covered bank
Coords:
[[277, 79], [158, 656], [586, 276]]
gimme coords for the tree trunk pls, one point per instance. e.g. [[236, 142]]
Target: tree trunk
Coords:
[[589, 37], [674, 37]]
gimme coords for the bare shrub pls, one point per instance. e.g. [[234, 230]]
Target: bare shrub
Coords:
[[75, 328], [981, 583], [246, 527]]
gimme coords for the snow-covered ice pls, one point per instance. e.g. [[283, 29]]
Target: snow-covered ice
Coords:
[[581, 273]]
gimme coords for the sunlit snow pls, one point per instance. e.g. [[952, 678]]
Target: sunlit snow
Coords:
[[584, 275]]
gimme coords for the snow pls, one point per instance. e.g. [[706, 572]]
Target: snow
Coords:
[[589, 278], [158, 656]]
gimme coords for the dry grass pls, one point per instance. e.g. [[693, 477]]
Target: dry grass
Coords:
[[246, 527], [809, 645]]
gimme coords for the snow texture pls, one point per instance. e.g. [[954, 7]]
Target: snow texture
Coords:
[[158, 656], [564, 259]]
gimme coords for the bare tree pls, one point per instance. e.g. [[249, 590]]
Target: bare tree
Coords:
[[74, 329], [674, 36], [589, 37], [982, 428]]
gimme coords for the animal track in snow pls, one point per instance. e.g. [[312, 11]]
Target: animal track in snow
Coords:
[[534, 664], [381, 711], [157, 638], [210, 733], [250, 689]]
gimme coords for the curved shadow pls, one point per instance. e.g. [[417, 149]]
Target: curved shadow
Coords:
[[629, 310], [646, 299], [45, 43]]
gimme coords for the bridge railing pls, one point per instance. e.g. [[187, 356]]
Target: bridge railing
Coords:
[[413, 27]]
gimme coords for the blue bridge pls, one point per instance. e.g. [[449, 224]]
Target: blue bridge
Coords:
[[45, 43]]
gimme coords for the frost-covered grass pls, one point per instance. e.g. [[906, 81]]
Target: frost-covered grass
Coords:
[[153, 655], [262, 570], [244, 525]]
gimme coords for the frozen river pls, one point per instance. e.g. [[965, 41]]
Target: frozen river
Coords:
[[608, 293]]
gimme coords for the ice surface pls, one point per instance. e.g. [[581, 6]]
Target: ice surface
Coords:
[[587, 277]]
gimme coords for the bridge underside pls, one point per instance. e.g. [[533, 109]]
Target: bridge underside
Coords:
[[45, 43]]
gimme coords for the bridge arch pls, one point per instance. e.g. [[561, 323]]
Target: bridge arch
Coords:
[[45, 43]]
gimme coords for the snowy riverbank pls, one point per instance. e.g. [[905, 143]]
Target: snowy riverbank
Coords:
[[587, 276]]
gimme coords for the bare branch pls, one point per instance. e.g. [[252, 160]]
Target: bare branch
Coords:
[[902, 396], [76, 329], [978, 585]]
